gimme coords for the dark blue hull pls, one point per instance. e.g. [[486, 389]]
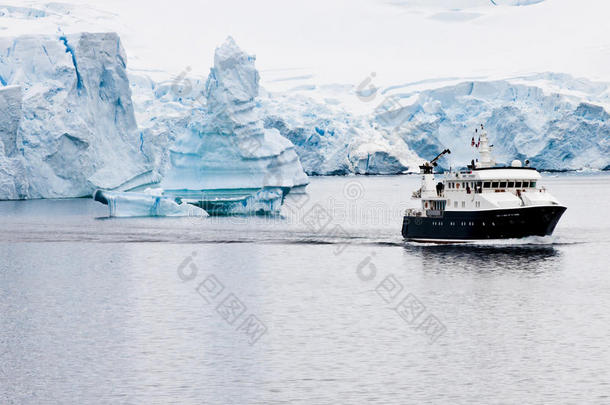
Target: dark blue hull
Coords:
[[487, 224]]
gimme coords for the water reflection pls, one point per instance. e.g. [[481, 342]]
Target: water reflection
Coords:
[[523, 259]]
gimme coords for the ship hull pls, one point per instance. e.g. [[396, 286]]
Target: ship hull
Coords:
[[454, 226]]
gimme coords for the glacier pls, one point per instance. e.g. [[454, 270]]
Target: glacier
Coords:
[[332, 141], [554, 120], [557, 121]]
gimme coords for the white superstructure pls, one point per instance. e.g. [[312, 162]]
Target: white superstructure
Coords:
[[481, 187]]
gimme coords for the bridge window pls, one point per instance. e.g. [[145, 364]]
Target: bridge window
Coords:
[[494, 184], [511, 184], [463, 204], [525, 184], [502, 184], [487, 184], [532, 184], [455, 204], [518, 184]]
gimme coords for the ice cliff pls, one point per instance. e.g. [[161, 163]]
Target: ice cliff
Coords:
[[556, 121], [333, 141], [67, 123]]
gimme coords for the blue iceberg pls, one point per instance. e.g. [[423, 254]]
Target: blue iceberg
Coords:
[[223, 159]]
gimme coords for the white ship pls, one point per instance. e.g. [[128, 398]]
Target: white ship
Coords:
[[483, 202]]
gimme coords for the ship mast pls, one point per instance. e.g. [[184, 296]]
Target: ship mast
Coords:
[[485, 159]]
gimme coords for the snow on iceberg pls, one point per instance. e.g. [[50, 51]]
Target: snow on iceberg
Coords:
[[69, 126]]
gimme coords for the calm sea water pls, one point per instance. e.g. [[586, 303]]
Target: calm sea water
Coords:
[[325, 304]]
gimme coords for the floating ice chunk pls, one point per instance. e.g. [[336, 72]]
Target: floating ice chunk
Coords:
[[127, 204], [266, 201]]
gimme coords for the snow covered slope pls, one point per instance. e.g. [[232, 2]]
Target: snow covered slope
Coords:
[[67, 122]]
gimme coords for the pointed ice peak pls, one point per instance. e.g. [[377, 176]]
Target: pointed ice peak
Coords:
[[230, 53], [234, 78]]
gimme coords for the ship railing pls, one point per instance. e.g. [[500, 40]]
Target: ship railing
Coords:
[[413, 212]]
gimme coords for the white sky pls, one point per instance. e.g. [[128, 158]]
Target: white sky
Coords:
[[342, 41]]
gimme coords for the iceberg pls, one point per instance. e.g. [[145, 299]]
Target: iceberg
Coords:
[[221, 157], [147, 204], [228, 147], [68, 128], [67, 123]]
